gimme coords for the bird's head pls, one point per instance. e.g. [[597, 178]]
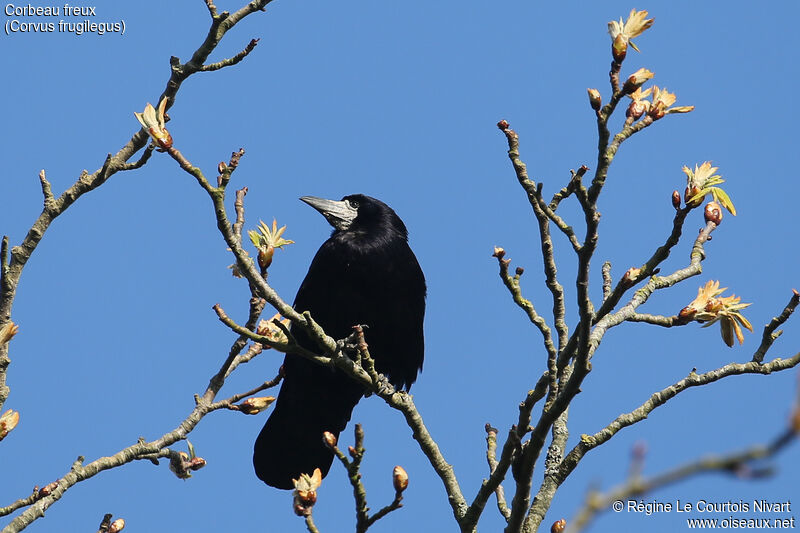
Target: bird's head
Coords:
[[358, 213]]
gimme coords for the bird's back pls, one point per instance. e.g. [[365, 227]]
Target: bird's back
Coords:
[[380, 287]]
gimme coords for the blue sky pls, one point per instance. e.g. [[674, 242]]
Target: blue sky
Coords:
[[398, 101]]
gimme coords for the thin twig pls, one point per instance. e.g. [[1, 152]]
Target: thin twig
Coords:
[[539, 207], [231, 60], [491, 458], [770, 334], [312, 528], [513, 286]]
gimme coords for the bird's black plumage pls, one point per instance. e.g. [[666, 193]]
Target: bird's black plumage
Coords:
[[365, 273]]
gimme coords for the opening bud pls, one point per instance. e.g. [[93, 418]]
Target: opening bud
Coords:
[[636, 80], [305, 492], [8, 421], [619, 48], [657, 110], [637, 108], [153, 122], [116, 526], [690, 193], [7, 332], [687, 314], [630, 276]]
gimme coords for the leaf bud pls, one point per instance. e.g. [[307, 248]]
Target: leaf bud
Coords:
[[399, 479], [197, 463], [329, 439], [595, 100], [676, 199], [222, 167], [713, 213], [503, 124], [558, 526], [253, 406], [47, 489]]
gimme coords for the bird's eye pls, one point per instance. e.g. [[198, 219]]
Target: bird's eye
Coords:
[[352, 203]]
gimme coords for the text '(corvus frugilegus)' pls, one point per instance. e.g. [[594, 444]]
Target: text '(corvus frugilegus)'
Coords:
[[366, 274]]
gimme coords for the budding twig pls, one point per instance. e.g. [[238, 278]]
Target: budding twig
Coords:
[[399, 479]]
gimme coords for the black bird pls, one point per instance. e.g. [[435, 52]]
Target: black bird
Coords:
[[365, 273]]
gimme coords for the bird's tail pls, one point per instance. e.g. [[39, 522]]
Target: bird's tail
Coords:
[[313, 399]]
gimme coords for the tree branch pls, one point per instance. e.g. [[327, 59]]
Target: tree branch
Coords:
[[589, 442], [141, 450], [736, 463], [87, 182]]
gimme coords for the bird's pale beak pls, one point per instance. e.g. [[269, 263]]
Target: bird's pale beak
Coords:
[[338, 213]]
